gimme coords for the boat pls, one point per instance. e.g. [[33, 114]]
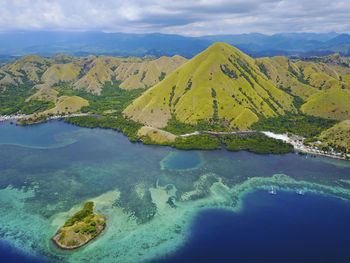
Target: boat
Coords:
[[272, 191], [300, 192]]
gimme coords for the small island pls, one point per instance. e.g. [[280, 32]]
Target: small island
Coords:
[[80, 229]]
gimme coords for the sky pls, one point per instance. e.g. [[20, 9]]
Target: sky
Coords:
[[184, 17]]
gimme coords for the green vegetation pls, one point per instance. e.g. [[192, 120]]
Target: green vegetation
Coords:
[[12, 98], [33, 106], [162, 76], [257, 143], [177, 127], [87, 210], [197, 142], [112, 98], [81, 228], [127, 127], [303, 125], [33, 120]]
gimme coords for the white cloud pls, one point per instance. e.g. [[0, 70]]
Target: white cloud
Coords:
[[182, 17]]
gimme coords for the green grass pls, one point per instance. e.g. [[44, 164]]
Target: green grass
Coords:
[[333, 104], [33, 106], [12, 98]]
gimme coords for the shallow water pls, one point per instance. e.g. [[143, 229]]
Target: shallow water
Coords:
[[48, 171], [184, 160]]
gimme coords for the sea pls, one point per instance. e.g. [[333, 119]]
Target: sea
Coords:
[[222, 210]]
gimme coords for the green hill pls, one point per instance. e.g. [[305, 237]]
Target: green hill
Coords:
[[332, 104], [338, 136], [33, 78], [305, 77], [221, 84], [147, 73]]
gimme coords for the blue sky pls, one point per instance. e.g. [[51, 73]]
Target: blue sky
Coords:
[[184, 17]]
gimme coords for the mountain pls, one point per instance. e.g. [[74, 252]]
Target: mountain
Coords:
[[341, 39], [260, 45], [220, 84], [99, 43], [33, 81], [122, 44], [226, 86]]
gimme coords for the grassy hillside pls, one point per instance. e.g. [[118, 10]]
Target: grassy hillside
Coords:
[[61, 72], [282, 72], [338, 136], [147, 73], [220, 89], [96, 79], [220, 85], [332, 104], [309, 76]]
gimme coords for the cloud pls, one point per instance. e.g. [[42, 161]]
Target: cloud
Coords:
[[181, 17]]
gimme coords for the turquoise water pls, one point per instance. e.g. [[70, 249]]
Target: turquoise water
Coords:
[[48, 171], [182, 160]]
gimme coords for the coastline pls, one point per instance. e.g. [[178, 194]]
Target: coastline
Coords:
[[54, 117], [295, 140]]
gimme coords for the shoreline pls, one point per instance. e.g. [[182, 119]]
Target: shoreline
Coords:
[[295, 140]]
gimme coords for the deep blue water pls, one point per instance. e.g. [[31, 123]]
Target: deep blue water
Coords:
[[10, 254], [282, 228]]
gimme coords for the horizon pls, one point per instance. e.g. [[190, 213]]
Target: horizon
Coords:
[[173, 34]]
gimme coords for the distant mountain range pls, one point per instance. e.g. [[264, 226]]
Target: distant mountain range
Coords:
[[121, 44]]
